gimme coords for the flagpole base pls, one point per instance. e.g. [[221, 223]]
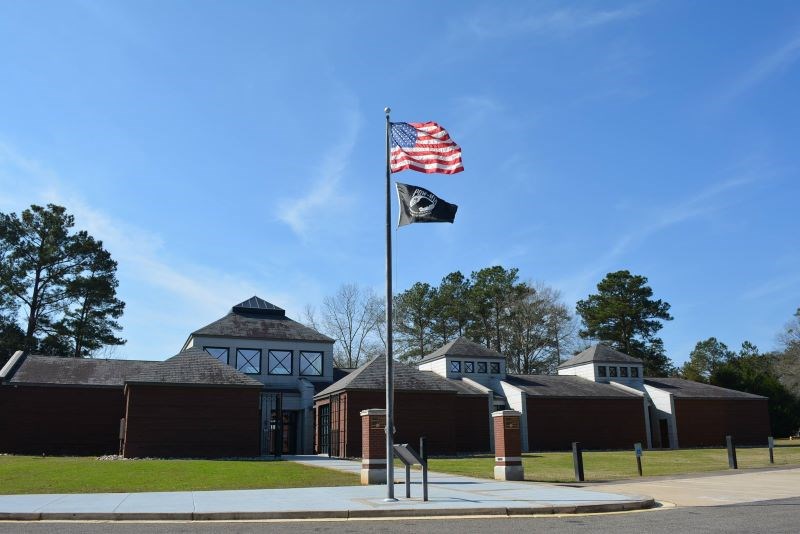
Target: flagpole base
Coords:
[[390, 500]]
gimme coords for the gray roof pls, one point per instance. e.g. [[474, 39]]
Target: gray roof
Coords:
[[35, 369], [463, 348], [258, 319], [194, 367], [687, 389], [372, 376], [565, 386], [600, 353]]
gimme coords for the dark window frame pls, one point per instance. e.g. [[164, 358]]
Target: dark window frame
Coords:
[[249, 360], [602, 371], [480, 365], [634, 372], [623, 372], [612, 371], [227, 353], [467, 366], [457, 364], [300, 357], [291, 362], [494, 368]]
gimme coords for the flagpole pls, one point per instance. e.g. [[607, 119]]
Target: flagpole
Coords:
[[389, 377]]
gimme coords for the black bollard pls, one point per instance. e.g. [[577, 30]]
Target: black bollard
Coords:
[[771, 445], [577, 460], [732, 463]]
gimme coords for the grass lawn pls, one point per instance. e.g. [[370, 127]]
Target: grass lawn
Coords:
[[614, 465], [34, 474]]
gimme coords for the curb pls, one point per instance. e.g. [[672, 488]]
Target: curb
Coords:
[[640, 504]]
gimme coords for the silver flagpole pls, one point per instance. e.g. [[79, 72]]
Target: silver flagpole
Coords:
[[389, 377]]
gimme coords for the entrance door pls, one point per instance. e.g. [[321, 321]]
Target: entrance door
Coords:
[[663, 426], [324, 429]]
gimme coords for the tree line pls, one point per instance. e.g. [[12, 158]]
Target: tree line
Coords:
[[58, 286]]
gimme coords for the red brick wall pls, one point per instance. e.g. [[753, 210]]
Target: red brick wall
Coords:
[[507, 441], [373, 436], [192, 422], [706, 422], [554, 423], [60, 420], [452, 423]]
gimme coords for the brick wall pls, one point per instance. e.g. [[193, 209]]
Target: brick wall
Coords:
[[507, 442], [60, 420], [554, 423], [706, 422], [192, 422], [452, 423]]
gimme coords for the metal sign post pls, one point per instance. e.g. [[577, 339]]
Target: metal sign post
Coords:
[[637, 447]]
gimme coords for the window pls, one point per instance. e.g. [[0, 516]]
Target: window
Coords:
[[455, 366], [310, 363], [623, 372], [635, 372], [469, 367], [248, 361], [601, 370], [219, 353], [482, 367], [280, 362], [612, 371], [494, 368]]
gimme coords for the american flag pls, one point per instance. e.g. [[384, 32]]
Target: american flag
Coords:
[[424, 147]]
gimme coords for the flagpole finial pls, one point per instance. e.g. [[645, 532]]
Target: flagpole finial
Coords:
[[387, 110]]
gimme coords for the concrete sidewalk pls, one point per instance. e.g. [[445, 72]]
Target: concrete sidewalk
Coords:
[[732, 487], [449, 495]]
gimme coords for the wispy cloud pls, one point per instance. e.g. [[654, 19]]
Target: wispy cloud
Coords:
[[698, 205], [558, 22], [768, 66], [325, 198], [155, 284], [782, 284]]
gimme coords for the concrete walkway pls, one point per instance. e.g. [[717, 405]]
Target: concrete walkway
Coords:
[[732, 487], [449, 495]]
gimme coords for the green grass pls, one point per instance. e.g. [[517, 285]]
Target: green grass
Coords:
[[615, 465], [33, 474]]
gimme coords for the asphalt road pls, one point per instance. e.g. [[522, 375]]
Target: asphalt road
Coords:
[[781, 516]]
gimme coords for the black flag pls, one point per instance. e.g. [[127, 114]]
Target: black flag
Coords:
[[420, 205]]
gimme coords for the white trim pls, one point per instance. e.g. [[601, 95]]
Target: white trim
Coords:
[[4, 372], [373, 411], [506, 413]]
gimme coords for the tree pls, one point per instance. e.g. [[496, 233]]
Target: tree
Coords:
[[12, 339], [706, 357], [412, 321], [45, 272], [624, 315], [352, 316], [494, 290], [752, 372], [788, 357], [91, 322], [539, 330]]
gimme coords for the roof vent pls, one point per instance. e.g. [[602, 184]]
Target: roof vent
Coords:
[[258, 306]]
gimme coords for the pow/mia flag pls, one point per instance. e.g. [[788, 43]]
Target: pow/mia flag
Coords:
[[418, 205]]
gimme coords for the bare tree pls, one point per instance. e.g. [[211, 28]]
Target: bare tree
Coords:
[[352, 316]]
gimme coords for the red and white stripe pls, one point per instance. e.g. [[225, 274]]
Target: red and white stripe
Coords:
[[434, 152]]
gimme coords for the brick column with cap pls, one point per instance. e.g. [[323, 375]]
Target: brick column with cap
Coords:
[[373, 446], [507, 446]]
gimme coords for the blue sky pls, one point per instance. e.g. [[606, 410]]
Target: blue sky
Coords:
[[225, 149]]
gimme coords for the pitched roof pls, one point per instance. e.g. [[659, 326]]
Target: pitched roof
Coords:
[[464, 348], [256, 318], [194, 367], [688, 389], [599, 353], [372, 376], [36, 369], [565, 386]]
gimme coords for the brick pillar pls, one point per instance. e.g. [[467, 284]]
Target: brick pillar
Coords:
[[373, 446], [507, 446]]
